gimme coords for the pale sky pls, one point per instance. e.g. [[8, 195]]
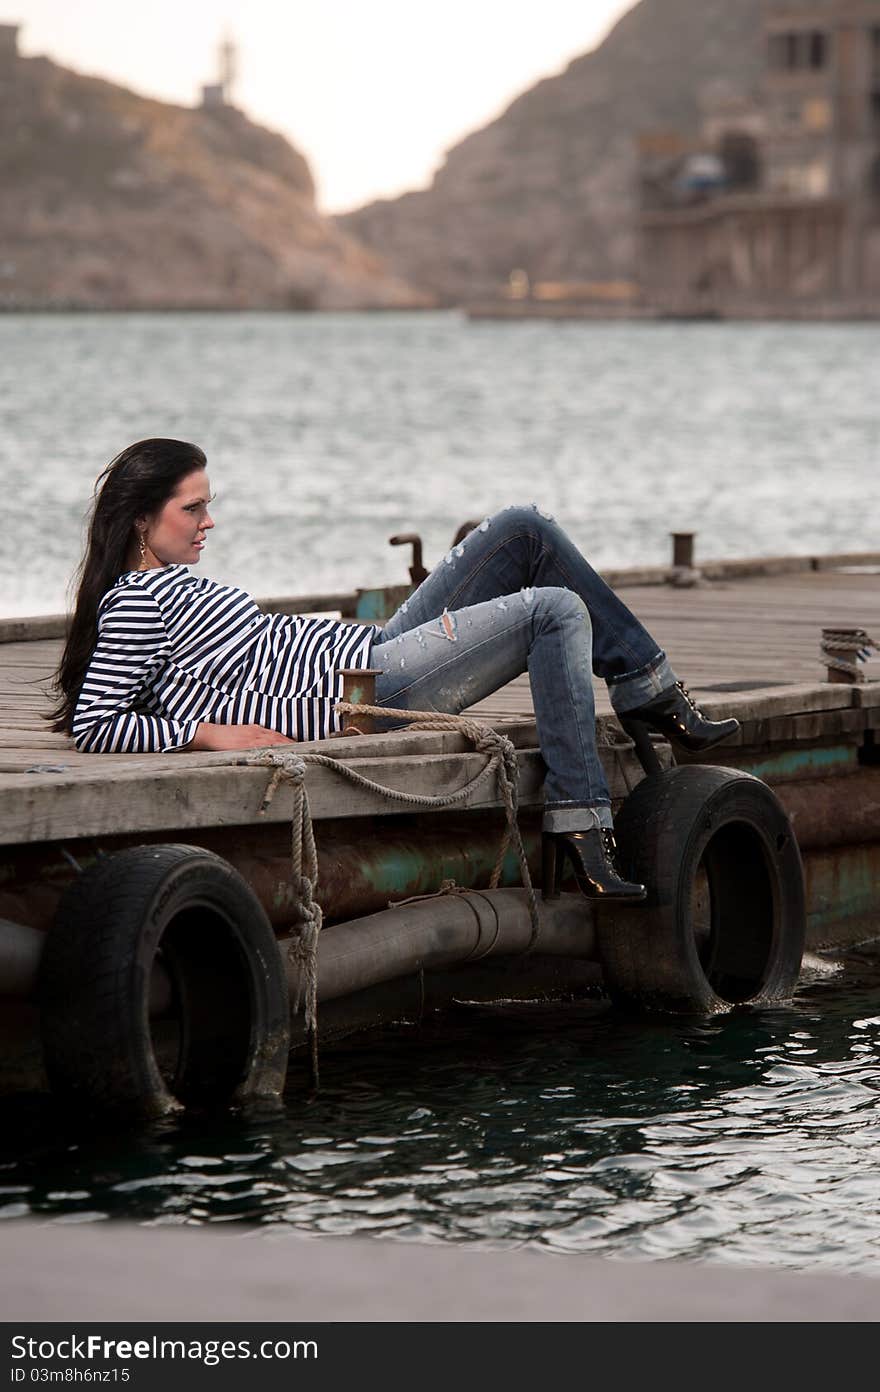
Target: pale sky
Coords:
[[372, 91]]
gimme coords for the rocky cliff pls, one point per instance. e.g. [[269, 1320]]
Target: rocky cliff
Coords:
[[551, 186], [109, 200]]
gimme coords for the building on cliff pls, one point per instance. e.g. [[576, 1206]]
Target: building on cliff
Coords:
[[776, 210], [8, 43]]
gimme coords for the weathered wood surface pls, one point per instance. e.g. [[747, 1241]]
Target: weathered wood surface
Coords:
[[45, 626], [748, 647], [41, 626], [149, 799], [732, 642]]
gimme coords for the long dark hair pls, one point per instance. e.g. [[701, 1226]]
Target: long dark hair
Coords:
[[134, 484]]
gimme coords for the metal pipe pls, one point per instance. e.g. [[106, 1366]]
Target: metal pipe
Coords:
[[433, 932], [20, 951], [442, 930], [417, 571]]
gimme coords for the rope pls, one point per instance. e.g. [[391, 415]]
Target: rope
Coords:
[[838, 642], [446, 887], [290, 767], [500, 757], [303, 951]]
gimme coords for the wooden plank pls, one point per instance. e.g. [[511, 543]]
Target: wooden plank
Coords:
[[38, 627], [736, 571], [779, 729], [50, 807], [33, 628], [807, 726], [14, 739], [746, 705], [852, 721], [776, 701], [394, 744], [839, 559], [23, 759], [47, 653]]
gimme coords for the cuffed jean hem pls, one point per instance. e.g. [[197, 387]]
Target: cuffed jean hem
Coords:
[[635, 689], [566, 817]]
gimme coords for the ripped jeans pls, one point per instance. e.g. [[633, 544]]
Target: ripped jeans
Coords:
[[516, 595]]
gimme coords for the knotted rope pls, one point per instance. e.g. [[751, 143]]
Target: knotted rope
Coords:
[[500, 759], [611, 737], [838, 643], [290, 767]]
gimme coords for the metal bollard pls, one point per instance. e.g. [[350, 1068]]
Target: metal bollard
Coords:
[[417, 571], [683, 574], [359, 688], [683, 549]]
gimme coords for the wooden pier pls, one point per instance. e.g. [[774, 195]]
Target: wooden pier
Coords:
[[746, 640]]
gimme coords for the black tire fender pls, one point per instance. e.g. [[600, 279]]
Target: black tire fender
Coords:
[[227, 1031], [724, 920]]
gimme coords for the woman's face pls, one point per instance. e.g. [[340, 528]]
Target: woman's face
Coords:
[[175, 534]]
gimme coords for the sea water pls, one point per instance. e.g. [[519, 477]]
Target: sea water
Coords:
[[326, 434], [751, 1138]]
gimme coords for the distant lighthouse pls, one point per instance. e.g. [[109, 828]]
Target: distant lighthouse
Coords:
[[219, 93], [8, 43]]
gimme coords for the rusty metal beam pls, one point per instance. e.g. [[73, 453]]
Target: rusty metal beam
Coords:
[[360, 870], [829, 812]]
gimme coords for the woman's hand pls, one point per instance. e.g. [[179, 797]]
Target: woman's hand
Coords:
[[210, 736]]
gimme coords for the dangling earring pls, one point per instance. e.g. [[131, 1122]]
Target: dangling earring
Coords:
[[142, 547]]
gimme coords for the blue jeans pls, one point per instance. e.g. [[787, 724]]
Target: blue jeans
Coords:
[[516, 595]]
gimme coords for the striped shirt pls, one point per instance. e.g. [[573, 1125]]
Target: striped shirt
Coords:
[[174, 650]]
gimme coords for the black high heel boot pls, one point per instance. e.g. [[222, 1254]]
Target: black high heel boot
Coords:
[[675, 714], [591, 854]]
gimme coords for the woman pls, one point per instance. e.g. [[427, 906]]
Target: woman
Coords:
[[158, 659]]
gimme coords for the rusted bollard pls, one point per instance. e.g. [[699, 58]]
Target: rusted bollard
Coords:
[[465, 530], [359, 689], [683, 572], [417, 571], [683, 549]]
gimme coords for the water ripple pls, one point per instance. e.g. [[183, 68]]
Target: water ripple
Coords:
[[751, 1138]]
